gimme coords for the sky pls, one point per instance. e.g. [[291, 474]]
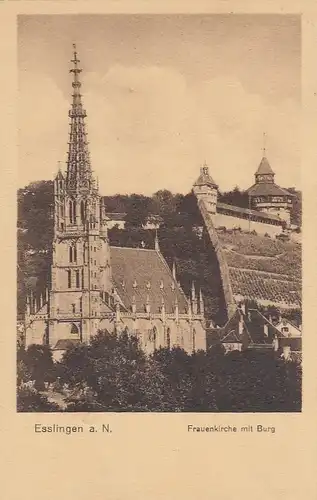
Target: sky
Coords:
[[163, 95]]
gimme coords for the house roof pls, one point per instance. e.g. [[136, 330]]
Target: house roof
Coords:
[[267, 189], [264, 167], [145, 275], [229, 333], [64, 344], [205, 178]]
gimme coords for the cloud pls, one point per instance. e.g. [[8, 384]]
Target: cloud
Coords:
[[149, 128]]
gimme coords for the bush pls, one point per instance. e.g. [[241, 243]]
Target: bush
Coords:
[[29, 400]]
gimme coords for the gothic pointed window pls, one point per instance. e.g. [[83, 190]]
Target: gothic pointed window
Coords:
[[74, 329], [81, 304], [71, 211], [168, 338], [69, 278], [194, 339], [75, 253], [74, 308], [77, 279], [74, 212], [154, 337], [70, 254], [82, 212]]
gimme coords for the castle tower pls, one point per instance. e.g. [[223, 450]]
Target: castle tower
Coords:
[[80, 273], [206, 189], [267, 196]]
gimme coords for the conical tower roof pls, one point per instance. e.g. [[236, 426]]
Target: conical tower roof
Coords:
[[264, 167]]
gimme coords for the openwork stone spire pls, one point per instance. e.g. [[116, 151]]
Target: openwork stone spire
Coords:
[[79, 175]]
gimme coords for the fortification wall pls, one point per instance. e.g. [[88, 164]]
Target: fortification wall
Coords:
[[223, 266], [230, 222]]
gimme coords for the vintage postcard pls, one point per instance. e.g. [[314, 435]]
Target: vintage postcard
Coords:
[[160, 226]]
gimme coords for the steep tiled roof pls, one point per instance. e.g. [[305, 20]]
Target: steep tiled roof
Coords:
[[150, 273], [229, 333], [264, 167], [267, 189]]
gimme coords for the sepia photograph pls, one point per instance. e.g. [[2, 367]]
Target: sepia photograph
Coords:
[[159, 213]]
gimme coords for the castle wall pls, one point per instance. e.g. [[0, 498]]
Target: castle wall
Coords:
[[223, 266], [230, 222]]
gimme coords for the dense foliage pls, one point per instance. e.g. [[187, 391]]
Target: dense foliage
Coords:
[[114, 374]]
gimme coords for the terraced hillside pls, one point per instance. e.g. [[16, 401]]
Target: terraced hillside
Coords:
[[264, 269], [256, 267]]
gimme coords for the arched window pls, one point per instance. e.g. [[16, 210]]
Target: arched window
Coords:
[[74, 212], [77, 279], [73, 308], [75, 253], [82, 212], [69, 278], [154, 337], [168, 338], [70, 254], [71, 218], [74, 329]]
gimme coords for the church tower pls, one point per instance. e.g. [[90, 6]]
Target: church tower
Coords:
[[80, 273]]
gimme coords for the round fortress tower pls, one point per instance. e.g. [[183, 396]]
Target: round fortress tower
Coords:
[[206, 189]]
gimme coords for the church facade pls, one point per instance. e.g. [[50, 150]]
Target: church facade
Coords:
[[94, 286]]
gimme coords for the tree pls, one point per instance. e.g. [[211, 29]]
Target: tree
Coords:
[[235, 197], [29, 400], [138, 210], [36, 364]]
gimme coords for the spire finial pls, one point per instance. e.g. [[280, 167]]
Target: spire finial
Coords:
[[264, 143]]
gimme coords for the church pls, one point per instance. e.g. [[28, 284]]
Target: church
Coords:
[[94, 286]]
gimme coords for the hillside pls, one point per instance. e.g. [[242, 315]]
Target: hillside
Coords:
[[264, 269]]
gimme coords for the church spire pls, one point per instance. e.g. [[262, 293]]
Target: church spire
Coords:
[[79, 174]]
